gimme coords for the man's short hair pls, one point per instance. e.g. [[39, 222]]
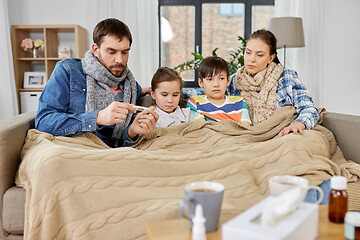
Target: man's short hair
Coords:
[[111, 27]]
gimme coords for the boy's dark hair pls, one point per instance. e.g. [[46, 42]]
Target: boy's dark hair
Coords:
[[213, 65], [165, 74], [111, 27]]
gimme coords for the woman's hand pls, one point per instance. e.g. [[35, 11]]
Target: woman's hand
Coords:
[[295, 127]]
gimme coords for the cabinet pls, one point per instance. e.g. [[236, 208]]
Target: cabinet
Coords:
[[29, 101], [55, 37]]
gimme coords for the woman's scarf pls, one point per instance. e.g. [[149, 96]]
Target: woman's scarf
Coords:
[[99, 95], [259, 91]]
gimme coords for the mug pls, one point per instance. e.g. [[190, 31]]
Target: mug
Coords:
[[209, 195], [282, 183]]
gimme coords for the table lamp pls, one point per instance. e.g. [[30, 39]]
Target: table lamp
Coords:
[[288, 32]]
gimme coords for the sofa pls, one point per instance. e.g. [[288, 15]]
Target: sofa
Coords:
[[346, 129]]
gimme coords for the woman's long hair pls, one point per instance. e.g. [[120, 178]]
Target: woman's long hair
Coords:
[[269, 38]]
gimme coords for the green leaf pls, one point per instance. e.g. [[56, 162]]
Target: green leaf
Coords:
[[198, 56], [214, 52]]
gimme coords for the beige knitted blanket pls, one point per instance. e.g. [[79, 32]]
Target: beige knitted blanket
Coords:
[[78, 188]]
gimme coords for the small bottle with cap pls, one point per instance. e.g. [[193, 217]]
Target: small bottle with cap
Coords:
[[338, 199], [198, 228], [352, 225]]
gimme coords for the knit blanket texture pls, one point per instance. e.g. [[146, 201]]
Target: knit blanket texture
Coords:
[[78, 188]]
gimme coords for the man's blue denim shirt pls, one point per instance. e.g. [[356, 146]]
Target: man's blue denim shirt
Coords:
[[61, 110]]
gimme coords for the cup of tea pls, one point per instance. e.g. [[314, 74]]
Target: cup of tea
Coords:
[[209, 195], [281, 183]]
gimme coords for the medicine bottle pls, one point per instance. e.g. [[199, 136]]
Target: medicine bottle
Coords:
[[352, 225], [338, 199]]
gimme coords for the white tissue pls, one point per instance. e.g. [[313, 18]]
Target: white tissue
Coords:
[[198, 230], [281, 206]]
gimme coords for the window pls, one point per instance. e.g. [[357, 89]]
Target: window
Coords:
[[261, 16], [200, 26], [231, 9]]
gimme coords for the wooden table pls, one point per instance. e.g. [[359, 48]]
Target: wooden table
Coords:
[[329, 230], [179, 229]]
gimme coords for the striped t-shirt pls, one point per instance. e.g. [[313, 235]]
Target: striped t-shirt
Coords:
[[234, 108]]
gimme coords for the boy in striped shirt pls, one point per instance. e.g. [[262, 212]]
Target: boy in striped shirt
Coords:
[[214, 77]]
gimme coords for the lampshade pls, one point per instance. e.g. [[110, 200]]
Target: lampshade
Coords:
[[288, 31]]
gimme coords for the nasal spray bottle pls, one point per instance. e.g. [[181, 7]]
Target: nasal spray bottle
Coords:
[[198, 227]]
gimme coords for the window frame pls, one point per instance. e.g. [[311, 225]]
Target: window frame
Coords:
[[198, 21], [232, 14]]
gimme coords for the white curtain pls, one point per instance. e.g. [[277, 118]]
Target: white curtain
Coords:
[[307, 61], [145, 60], [8, 102], [142, 19]]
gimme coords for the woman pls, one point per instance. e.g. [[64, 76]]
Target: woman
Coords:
[[266, 85]]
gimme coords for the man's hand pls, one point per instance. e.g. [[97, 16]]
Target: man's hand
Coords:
[[145, 90], [116, 112], [295, 127], [144, 123]]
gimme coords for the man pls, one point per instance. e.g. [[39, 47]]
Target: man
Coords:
[[97, 93]]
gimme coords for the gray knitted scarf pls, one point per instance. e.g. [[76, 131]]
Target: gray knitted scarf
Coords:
[[99, 95]]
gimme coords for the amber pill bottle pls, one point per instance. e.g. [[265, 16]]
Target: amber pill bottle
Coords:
[[338, 199]]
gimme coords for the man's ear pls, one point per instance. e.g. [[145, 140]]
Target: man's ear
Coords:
[[95, 49], [200, 81]]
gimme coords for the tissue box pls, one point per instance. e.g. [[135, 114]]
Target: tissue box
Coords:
[[302, 224]]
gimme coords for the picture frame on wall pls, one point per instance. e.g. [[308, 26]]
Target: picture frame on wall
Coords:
[[34, 79]]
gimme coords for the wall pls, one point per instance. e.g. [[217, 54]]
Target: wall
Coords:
[[342, 56], [328, 62], [49, 12]]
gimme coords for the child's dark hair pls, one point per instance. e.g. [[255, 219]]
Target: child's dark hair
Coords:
[[213, 65], [165, 74], [269, 39]]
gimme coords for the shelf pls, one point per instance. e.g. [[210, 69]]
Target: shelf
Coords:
[[30, 89], [54, 59], [54, 37], [30, 59]]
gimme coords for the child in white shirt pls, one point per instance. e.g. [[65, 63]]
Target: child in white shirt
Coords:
[[166, 88]]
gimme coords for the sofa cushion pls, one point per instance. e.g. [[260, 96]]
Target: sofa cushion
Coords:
[[14, 210], [346, 129], [15, 237], [146, 100]]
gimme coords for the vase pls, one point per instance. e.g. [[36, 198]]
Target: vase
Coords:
[[35, 52]]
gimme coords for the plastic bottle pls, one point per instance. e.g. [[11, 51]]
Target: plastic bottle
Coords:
[[338, 199], [352, 225], [198, 229]]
